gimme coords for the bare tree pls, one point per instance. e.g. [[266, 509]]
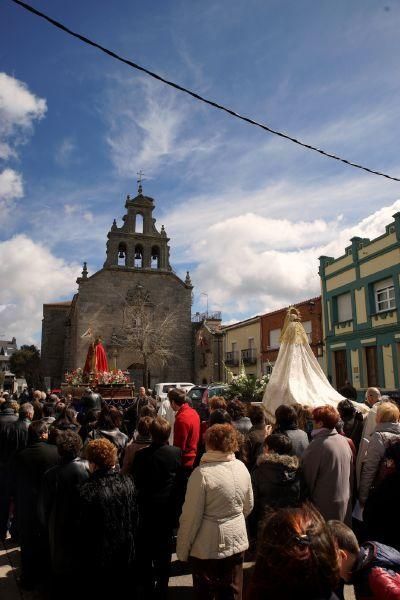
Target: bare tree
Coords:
[[149, 335]]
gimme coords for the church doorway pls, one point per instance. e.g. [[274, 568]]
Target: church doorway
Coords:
[[136, 376]]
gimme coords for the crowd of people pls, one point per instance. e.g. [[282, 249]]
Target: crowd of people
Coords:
[[98, 498]]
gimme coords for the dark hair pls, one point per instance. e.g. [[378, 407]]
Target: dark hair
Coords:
[[69, 444], [66, 420], [36, 430], [109, 418], [177, 395], [327, 415], [160, 430], [218, 417], [143, 426], [257, 415], [37, 410], [49, 409], [148, 411], [296, 557], [344, 537], [346, 409], [286, 417], [236, 409], [279, 443], [223, 438], [393, 453]]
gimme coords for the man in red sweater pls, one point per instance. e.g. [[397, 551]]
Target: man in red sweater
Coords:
[[186, 428]]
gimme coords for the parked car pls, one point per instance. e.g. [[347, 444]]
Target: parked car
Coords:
[[161, 389]]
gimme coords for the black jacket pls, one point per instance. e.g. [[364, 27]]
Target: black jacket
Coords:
[[107, 522], [8, 419], [155, 471], [380, 512], [59, 511], [276, 482]]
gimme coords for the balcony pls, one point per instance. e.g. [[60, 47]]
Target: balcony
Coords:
[[232, 358], [249, 356]]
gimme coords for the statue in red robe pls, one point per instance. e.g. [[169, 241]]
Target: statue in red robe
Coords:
[[96, 359]]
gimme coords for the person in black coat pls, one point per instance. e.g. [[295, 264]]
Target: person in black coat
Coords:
[[353, 421], [59, 507], [28, 470], [155, 471], [107, 524], [8, 419], [276, 478]]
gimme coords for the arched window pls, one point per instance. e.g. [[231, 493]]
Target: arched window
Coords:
[[122, 255], [138, 257], [139, 223], [155, 257]]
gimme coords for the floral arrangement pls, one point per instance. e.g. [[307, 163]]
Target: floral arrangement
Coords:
[[247, 388], [77, 377]]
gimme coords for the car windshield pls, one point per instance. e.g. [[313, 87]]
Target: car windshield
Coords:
[[166, 388], [195, 394]]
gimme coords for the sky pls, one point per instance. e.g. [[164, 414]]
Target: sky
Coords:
[[248, 213]]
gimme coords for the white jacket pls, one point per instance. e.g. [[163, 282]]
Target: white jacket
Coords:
[[219, 496], [167, 412]]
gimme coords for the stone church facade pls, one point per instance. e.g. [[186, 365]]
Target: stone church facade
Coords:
[[136, 278]]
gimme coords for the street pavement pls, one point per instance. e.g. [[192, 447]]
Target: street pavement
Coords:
[[180, 582]]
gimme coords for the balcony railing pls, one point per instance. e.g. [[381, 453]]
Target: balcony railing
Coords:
[[249, 356], [232, 358]]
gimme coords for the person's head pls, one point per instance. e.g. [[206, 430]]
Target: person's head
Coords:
[[148, 411], [68, 399], [26, 411], [101, 454], [142, 391], [160, 430], [38, 432], [15, 406], [286, 417], [66, 417], [325, 416], [372, 395], [257, 415], [143, 426], [304, 416], [219, 416], [69, 445], [38, 410], [278, 443], [49, 409], [37, 395], [346, 409], [7, 404], [387, 413], [109, 418], [43, 396], [236, 409], [177, 398], [60, 407], [347, 548], [217, 403], [296, 556], [222, 438]]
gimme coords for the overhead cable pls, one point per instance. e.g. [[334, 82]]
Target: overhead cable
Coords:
[[197, 96]]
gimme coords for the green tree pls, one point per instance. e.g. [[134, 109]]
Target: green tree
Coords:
[[26, 362]]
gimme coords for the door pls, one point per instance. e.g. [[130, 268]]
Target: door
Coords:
[[340, 368], [372, 366]]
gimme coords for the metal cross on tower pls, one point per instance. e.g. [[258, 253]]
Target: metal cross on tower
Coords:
[[140, 179]]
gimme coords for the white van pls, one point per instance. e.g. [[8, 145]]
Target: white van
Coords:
[[162, 389]]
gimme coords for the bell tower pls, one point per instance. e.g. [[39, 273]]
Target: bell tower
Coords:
[[138, 244]]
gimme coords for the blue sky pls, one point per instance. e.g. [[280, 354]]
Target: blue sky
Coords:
[[247, 213]]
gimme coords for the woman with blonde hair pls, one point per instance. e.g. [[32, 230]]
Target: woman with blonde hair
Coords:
[[212, 532], [387, 430]]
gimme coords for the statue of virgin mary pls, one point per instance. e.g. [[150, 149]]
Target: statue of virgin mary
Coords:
[[297, 376]]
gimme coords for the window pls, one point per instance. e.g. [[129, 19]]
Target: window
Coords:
[[251, 344], [372, 366], [384, 295], [274, 335], [308, 330], [344, 311]]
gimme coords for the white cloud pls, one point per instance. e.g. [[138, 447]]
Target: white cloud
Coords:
[[19, 108], [251, 264], [31, 276], [11, 186]]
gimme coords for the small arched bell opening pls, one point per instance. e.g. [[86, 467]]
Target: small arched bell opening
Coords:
[[138, 257], [139, 223], [122, 255], [155, 257]]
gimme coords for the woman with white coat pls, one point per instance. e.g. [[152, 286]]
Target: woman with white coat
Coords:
[[212, 531]]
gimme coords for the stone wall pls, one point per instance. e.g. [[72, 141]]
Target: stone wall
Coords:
[[54, 321]]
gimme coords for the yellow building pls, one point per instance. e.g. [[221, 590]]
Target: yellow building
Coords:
[[242, 344], [361, 302]]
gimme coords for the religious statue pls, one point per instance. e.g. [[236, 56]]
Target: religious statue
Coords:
[[96, 358], [297, 377]]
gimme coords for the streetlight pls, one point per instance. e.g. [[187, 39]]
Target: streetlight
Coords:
[[206, 295]]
